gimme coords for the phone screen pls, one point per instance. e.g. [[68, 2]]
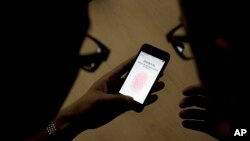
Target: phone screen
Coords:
[[142, 76]]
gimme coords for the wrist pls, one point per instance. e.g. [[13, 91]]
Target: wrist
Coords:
[[51, 128], [67, 125], [61, 121], [59, 129]]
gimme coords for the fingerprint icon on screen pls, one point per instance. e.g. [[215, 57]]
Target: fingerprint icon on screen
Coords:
[[139, 81]]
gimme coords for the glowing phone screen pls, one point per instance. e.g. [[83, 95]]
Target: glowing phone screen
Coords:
[[142, 77]]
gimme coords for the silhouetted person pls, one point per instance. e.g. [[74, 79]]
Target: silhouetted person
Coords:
[[218, 35], [41, 42]]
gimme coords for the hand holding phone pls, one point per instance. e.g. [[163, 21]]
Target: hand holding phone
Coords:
[[149, 63]]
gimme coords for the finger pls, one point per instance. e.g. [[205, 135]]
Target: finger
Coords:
[[124, 67], [138, 107], [197, 101], [150, 99], [158, 86], [195, 125], [119, 98], [193, 114], [161, 74], [194, 90], [119, 101], [114, 85]]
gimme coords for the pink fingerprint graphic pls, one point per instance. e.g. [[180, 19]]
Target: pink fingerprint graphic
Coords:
[[139, 81]]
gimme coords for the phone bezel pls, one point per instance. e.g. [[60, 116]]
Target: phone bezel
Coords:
[[156, 52]]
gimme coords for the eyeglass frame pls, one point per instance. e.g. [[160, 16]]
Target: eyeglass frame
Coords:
[[177, 42], [90, 62]]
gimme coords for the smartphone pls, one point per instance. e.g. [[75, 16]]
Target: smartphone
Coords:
[[149, 63]]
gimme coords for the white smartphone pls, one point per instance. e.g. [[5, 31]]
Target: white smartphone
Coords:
[[149, 63]]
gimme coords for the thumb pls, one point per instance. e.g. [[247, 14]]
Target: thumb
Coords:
[[121, 101], [121, 98], [126, 103]]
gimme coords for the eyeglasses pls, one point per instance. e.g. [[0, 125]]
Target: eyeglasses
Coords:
[[91, 61], [177, 42]]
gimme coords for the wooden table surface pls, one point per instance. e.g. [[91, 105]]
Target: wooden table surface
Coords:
[[124, 25]]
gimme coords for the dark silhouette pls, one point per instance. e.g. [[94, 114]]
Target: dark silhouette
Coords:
[[41, 43], [218, 34]]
